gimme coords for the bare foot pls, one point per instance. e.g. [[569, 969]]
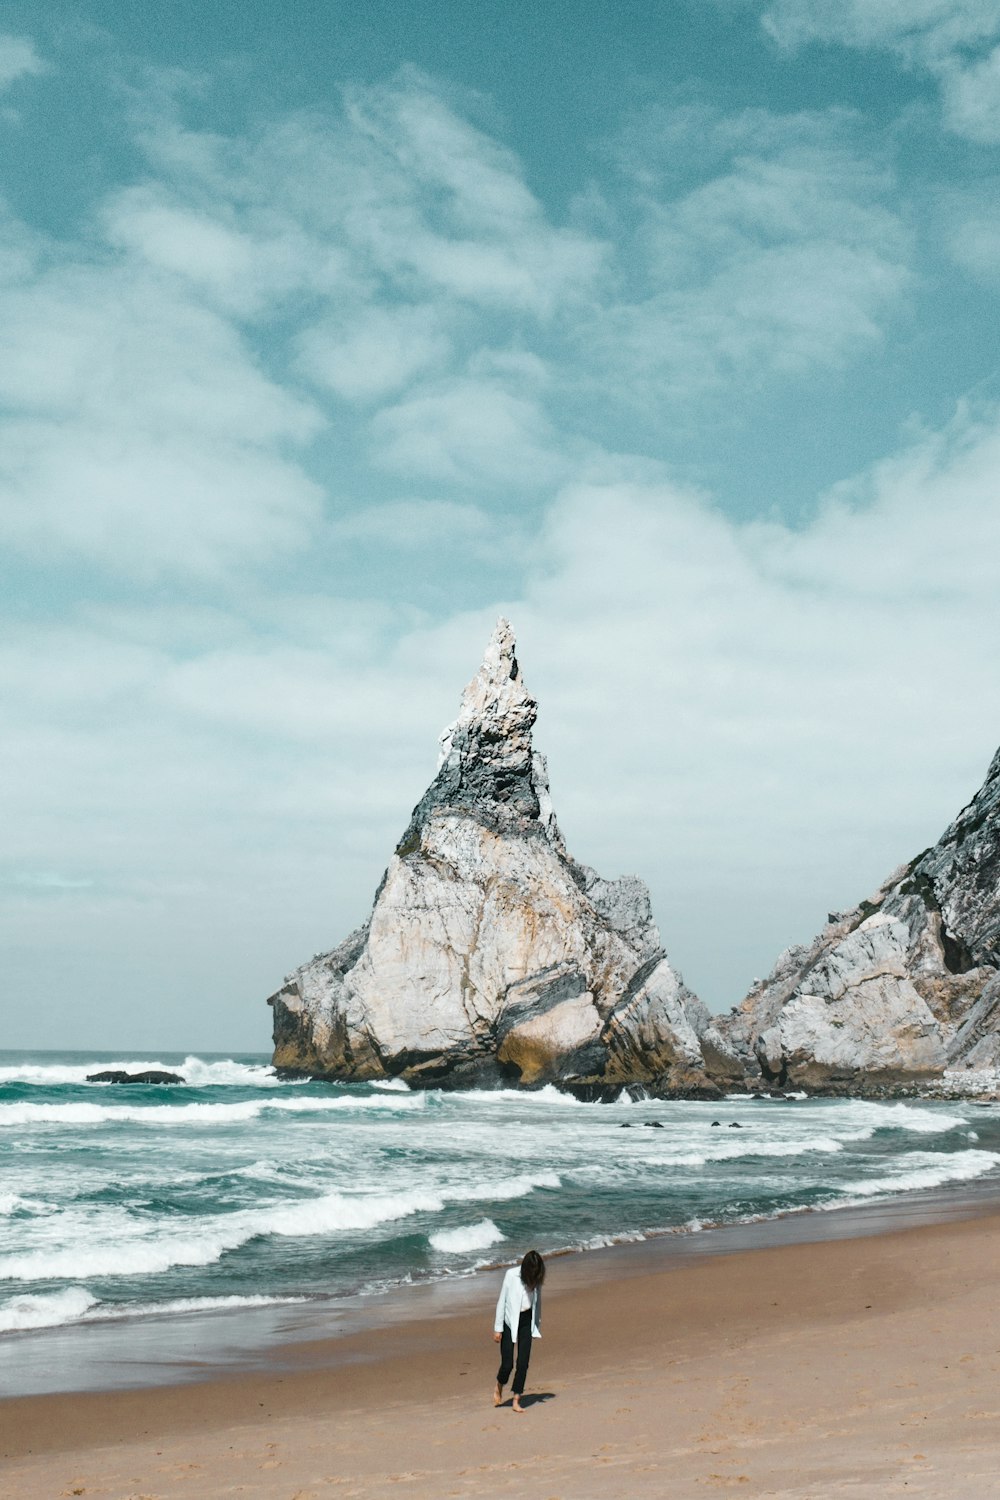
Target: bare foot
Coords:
[[497, 1394], [516, 1406]]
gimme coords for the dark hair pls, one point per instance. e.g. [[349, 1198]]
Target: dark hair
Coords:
[[532, 1270]]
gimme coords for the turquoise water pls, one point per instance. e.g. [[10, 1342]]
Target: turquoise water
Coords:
[[236, 1190]]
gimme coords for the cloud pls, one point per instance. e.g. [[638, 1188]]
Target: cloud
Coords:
[[972, 97], [469, 431], [370, 354], [140, 433], [971, 222], [926, 30], [153, 373], [941, 37], [760, 720], [783, 258], [166, 379], [249, 405], [482, 236], [18, 59], [412, 194]]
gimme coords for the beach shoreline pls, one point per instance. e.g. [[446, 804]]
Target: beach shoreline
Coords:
[[138, 1350], [877, 1299]]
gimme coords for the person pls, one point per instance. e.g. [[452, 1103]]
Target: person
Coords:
[[518, 1320]]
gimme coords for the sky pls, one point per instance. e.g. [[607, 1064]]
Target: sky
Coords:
[[328, 333]]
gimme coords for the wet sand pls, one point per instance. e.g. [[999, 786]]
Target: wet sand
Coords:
[[847, 1366]]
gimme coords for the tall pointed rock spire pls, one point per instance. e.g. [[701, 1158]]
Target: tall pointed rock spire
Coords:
[[490, 956], [488, 767]]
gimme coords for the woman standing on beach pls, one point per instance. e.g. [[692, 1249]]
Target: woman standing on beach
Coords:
[[518, 1319]]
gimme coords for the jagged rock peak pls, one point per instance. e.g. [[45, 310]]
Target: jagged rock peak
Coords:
[[901, 987], [487, 767], [495, 705], [490, 956]]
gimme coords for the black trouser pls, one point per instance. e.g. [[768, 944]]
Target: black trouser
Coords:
[[523, 1353]]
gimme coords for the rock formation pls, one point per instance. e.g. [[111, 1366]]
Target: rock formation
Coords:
[[902, 987], [491, 956], [118, 1075]]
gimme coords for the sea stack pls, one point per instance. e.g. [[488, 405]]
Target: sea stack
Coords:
[[902, 987], [491, 957]]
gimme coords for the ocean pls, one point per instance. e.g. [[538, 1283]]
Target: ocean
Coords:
[[235, 1190]]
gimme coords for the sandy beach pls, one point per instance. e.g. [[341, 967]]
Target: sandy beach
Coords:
[[858, 1366]]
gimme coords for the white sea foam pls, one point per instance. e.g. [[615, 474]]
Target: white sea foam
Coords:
[[910, 1117], [84, 1113], [188, 1305], [75, 1305], [548, 1094], [14, 1203], [45, 1309], [146, 1247], [469, 1237], [607, 1241], [197, 1072], [921, 1169], [142, 1256], [823, 1145]]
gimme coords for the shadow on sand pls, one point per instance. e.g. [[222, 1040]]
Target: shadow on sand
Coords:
[[535, 1399]]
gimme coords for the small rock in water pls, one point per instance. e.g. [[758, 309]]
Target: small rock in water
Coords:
[[151, 1075], [625, 1125], [735, 1125], [716, 1122], [652, 1124]]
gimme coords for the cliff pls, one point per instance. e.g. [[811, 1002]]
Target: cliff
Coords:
[[491, 956], [903, 986]]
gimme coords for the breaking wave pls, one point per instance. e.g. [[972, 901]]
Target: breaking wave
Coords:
[[469, 1237], [146, 1248], [196, 1114], [197, 1072], [76, 1304], [45, 1309], [927, 1169]]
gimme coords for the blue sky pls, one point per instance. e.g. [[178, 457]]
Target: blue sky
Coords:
[[330, 333]]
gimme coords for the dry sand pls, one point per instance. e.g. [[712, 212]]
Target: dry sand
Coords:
[[858, 1367]]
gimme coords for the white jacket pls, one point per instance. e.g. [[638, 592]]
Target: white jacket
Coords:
[[509, 1305]]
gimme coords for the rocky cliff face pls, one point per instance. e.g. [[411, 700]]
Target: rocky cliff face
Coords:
[[898, 989], [490, 955]]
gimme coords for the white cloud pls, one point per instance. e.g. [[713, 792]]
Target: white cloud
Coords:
[[151, 421], [371, 354], [18, 59], [926, 30], [941, 36], [761, 721], [972, 97], [409, 191], [784, 257], [140, 432], [480, 235], [469, 431], [758, 719], [972, 230]]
